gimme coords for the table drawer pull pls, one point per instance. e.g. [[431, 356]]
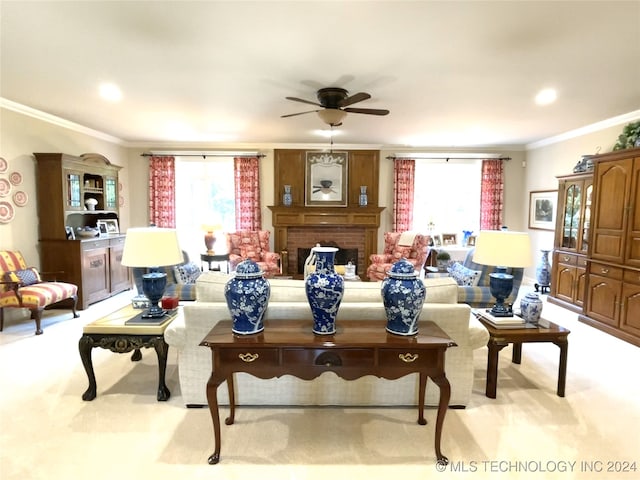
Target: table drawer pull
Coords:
[[248, 357], [604, 271], [566, 259], [408, 357]]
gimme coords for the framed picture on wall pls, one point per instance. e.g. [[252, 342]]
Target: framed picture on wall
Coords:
[[326, 179], [542, 209]]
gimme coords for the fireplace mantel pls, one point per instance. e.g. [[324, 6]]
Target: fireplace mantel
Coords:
[[365, 219]]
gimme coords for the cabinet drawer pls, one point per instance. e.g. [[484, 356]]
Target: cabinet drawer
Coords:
[[91, 244], [632, 276], [250, 356], [408, 357], [566, 258], [606, 271], [345, 357], [116, 241], [582, 262]]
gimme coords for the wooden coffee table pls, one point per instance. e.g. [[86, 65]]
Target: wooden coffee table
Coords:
[[112, 332], [358, 348], [501, 337]]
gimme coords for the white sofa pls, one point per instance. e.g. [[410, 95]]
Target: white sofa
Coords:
[[361, 300]]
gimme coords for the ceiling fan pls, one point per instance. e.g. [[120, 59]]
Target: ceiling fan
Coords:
[[335, 105]]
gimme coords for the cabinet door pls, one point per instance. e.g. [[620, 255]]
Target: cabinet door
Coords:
[[632, 257], [119, 273], [580, 286], [571, 215], [630, 312], [585, 221], [613, 184], [110, 193], [95, 274], [565, 282], [603, 299], [72, 194]]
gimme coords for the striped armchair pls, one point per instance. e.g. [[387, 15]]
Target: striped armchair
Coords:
[[480, 295], [22, 287]]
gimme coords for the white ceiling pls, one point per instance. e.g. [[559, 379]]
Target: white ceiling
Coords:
[[452, 73]]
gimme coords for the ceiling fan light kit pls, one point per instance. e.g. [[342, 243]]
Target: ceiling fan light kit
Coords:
[[333, 101]]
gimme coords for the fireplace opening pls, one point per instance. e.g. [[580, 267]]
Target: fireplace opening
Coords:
[[343, 255]]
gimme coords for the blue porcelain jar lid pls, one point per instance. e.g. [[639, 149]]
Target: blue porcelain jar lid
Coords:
[[402, 269], [248, 269]]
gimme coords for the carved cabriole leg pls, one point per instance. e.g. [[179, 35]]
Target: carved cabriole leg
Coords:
[[136, 356], [36, 314], [74, 305], [212, 398], [85, 345], [445, 394], [232, 401], [162, 350], [421, 395]]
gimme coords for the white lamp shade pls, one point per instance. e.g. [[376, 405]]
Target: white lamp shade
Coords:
[[151, 247], [332, 116], [503, 248]]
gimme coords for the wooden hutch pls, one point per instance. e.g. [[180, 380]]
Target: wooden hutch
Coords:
[[64, 183]]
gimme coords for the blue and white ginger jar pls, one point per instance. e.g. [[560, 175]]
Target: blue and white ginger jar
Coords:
[[531, 308], [247, 294], [403, 295], [324, 288]]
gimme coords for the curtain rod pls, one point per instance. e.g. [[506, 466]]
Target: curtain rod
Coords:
[[447, 158], [205, 154]]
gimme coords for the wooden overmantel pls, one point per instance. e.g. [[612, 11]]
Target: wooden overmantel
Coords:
[[366, 218]]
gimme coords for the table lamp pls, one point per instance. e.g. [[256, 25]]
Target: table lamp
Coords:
[[503, 249], [152, 247], [210, 237]]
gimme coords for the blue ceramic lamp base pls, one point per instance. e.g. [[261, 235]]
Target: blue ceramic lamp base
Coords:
[[501, 284]]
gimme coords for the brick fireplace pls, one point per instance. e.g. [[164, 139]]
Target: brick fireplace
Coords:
[[350, 228]]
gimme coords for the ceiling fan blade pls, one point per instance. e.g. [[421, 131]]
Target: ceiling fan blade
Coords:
[[355, 98], [368, 111], [303, 101], [300, 113]]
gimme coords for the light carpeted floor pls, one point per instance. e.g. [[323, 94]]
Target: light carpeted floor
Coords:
[[48, 432]]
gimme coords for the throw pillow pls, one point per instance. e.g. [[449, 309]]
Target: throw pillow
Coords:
[[187, 273], [28, 276], [464, 276]]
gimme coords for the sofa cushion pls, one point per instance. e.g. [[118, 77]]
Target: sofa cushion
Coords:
[[28, 276], [464, 276], [186, 274]]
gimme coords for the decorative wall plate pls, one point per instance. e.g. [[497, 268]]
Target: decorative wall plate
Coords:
[[5, 187], [20, 198], [6, 212], [15, 178], [3, 165]]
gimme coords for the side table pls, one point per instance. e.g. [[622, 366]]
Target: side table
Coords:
[[500, 337], [212, 258], [113, 333]]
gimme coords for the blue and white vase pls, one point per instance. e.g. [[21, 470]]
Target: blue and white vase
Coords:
[[531, 308], [403, 295], [363, 199], [286, 197], [247, 295], [324, 288], [543, 271]]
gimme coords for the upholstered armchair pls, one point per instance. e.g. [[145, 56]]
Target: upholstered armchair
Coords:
[[395, 248], [22, 287], [253, 245]]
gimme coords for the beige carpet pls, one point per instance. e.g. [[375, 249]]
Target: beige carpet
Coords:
[[48, 432]]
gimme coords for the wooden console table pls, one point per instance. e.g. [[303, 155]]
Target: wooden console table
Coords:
[[358, 348]]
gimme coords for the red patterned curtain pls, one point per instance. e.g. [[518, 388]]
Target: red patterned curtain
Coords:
[[491, 195], [247, 193], [404, 170], [162, 191]]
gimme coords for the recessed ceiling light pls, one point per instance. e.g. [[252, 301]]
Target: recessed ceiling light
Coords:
[[110, 92], [546, 96]]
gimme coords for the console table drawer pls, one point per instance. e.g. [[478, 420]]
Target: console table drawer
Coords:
[[406, 357], [334, 357], [249, 355]]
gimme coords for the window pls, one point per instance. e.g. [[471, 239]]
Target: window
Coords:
[[447, 196], [204, 196]]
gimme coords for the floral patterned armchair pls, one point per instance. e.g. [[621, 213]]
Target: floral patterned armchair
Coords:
[[22, 287], [253, 245], [416, 253]]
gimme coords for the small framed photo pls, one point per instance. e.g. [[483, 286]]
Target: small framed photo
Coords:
[[437, 240], [449, 239], [542, 209], [71, 235], [471, 241], [109, 226]]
